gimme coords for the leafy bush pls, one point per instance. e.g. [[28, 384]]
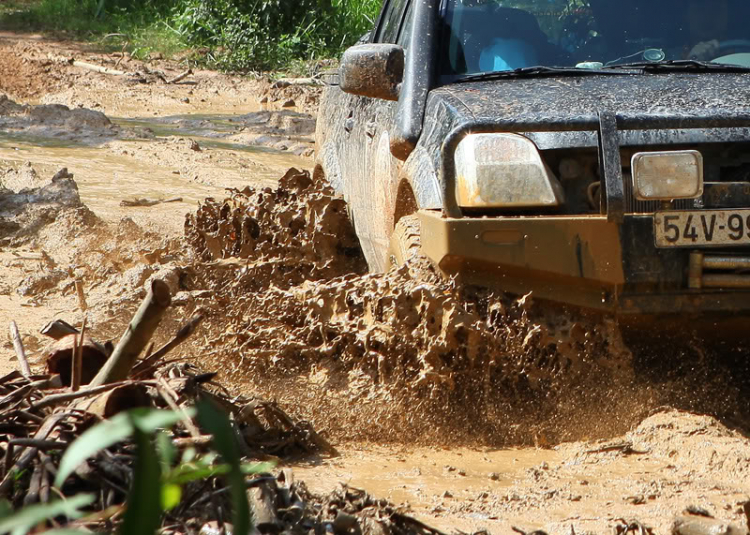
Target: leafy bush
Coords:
[[238, 35]]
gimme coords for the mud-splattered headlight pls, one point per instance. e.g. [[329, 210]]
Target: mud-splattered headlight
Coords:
[[503, 171], [668, 175]]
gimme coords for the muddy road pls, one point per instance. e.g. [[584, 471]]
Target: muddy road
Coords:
[[111, 180]]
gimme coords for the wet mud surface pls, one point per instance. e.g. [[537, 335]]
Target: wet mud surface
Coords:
[[475, 411]]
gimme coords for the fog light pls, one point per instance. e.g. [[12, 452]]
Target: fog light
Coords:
[[669, 175]]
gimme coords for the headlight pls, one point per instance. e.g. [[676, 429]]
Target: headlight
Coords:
[[503, 171], [665, 176]]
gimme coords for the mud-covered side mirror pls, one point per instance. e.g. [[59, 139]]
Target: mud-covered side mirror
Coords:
[[372, 70]]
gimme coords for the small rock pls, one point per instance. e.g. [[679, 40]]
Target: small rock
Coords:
[[264, 100], [185, 100], [289, 104], [462, 472], [447, 494], [494, 476], [697, 525], [61, 174], [194, 146]]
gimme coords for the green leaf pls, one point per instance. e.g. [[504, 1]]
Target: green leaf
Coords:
[[109, 432], [151, 420], [166, 449], [188, 455], [6, 509], [27, 518], [171, 495], [184, 474], [143, 513], [217, 423]]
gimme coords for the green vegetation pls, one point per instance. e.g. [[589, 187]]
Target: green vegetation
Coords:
[[158, 473], [234, 35]]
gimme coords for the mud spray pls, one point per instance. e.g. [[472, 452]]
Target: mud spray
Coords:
[[397, 356]]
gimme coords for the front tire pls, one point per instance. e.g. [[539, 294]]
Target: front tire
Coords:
[[406, 241]]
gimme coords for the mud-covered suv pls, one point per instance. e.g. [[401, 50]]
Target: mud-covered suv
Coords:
[[593, 152]]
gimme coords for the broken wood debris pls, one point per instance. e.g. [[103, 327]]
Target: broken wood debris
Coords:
[[40, 418]]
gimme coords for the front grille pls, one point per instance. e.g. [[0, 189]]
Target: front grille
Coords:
[[634, 206]]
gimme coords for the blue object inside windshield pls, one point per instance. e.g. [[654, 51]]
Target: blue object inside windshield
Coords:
[[507, 55]]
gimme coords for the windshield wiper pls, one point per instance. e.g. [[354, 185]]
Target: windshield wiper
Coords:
[[540, 70], [681, 65]]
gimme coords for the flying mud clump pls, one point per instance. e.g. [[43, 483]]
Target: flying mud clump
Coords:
[[291, 302], [297, 232]]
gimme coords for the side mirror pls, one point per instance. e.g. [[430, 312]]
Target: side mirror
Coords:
[[372, 70]]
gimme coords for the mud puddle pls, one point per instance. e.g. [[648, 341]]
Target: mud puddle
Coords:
[[428, 480], [157, 170]]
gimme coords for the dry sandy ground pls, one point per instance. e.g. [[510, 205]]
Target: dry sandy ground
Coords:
[[193, 140]]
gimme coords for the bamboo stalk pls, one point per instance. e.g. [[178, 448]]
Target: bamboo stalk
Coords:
[[137, 336]]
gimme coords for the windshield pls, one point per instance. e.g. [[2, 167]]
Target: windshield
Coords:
[[502, 35]]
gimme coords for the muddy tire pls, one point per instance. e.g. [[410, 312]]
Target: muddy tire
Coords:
[[405, 250], [406, 244]]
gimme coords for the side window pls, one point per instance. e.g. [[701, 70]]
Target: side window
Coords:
[[391, 21], [404, 35]]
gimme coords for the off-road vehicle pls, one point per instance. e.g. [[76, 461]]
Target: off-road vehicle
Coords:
[[593, 152]]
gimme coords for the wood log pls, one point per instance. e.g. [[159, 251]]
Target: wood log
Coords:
[[137, 336]]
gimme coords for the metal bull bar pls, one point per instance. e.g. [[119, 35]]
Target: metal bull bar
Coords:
[[724, 271], [607, 124]]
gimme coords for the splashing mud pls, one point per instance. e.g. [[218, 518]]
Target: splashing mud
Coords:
[[392, 356]]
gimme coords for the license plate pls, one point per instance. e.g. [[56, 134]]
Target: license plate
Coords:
[[702, 228]]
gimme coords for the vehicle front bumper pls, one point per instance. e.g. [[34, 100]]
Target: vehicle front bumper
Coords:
[[583, 260]]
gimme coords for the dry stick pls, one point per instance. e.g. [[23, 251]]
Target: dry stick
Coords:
[[137, 336], [56, 399], [77, 360], [180, 77], [44, 430], [18, 345], [171, 397], [81, 295], [183, 334], [98, 68]]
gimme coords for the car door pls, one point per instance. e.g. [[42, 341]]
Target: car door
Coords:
[[369, 170]]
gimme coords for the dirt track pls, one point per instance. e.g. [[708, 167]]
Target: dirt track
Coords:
[[294, 317]]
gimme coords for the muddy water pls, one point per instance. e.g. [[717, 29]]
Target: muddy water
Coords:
[[427, 480], [107, 175]]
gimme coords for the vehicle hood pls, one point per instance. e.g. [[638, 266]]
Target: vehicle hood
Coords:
[[565, 99]]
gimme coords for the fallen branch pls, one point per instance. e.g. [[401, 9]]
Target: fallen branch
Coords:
[[286, 82], [58, 399], [183, 334], [180, 77], [97, 68]]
